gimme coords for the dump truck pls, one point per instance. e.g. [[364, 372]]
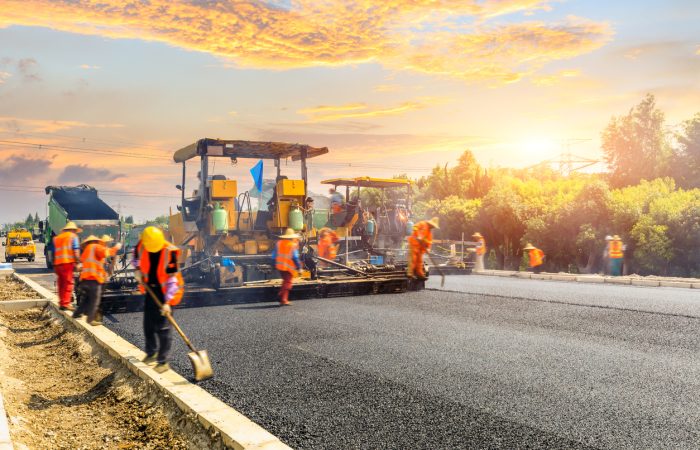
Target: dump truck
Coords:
[[81, 205], [19, 244]]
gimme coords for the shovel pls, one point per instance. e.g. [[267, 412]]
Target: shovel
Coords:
[[442, 281], [199, 358]]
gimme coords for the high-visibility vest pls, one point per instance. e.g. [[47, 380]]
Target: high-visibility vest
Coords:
[[481, 249], [536, 257], [93, 261], [421, 232], [63, 252], [326, 246], [164, 263], [284, 262], [615, 250]]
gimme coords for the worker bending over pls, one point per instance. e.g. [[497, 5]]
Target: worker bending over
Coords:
[[480, 251], [93, 276], [287, 262], [66, 258], [536, 258], [156, 262], [616, 255], [327, 245], [420, 243]]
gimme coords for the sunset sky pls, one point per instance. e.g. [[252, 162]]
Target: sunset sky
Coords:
[[111, 88]]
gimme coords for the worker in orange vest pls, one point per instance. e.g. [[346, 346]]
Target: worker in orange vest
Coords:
[[536, 258], [420, 243], [327, 245], [156, 261], [480, 251], [616, 255], [287, 262], [93, 276], [66, 258]]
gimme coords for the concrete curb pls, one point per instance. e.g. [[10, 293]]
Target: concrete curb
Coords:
[[235, 430], [634, 281], [19, 305], [5, 438]]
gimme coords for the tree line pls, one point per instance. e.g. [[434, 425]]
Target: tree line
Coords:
[[650, 196]]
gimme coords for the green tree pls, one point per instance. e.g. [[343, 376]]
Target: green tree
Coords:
[[636, 146], [687, 162]]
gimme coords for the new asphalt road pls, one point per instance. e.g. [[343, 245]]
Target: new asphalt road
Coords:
[[486, 362]]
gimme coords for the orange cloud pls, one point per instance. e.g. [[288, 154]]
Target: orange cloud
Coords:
[[414, 34], [15, 124], [359, 111]]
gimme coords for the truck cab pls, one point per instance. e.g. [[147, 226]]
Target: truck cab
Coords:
[[19, 244]]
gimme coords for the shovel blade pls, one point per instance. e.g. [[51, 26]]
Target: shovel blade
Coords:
[[201, 365]]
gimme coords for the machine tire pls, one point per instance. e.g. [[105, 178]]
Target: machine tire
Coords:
[[8, 259]]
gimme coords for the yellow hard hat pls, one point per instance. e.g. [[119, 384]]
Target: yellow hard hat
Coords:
[[616, 238], [153, 239], [434, 222], [106, 238], [529, 246], [91, 238], [290, 234], [71, 226], [477, 235]]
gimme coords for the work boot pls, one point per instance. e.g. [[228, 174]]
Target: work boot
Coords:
[[95, 323], [285, 302], [162, 367], [76, 315], [67, 308], [149, 359]]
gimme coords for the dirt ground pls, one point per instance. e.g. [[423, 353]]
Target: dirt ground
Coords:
[[58, 396], [11, 289]]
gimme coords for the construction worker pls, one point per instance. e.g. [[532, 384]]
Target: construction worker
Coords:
[[536, 258], [616, 255], [420, 243], [480, 251], [93, 276], [66, 258], [337, 200], [156, 263], [287, 262], [327, 245]]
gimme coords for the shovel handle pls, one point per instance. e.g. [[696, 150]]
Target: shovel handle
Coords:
[[442, 275], [168, 316]]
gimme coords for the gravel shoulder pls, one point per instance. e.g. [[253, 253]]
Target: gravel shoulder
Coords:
[[11, 289], [58, 395]]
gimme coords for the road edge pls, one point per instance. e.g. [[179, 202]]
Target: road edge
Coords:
[[622, 280], [235, 430]]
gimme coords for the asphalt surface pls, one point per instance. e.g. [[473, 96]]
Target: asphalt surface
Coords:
[[486, 363]]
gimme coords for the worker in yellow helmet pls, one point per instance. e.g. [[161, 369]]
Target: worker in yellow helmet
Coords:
[[420, 243], [480, 251], [616, 255], [536, 258], [156, 263]]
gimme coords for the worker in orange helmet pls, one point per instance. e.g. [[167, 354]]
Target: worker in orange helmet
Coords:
[[420, 243], [327, 245], [66, 258], [616, 255], [93, 276], [480, 251], [536, 258], [287, 262], [156, 261]]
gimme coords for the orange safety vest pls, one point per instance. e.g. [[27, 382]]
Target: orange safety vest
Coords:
[[421, 232], [163, 265], [326, 246], [481, 249], [93, 260], [536, 257], [63, 252], [284, 262], [615, 250]]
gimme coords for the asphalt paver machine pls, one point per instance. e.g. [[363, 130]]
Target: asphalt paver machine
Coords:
[[227, 234]]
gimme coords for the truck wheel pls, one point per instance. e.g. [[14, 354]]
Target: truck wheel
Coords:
[[30, 259], [8, 259]]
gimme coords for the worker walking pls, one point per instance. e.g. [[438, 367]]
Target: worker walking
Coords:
[[93, 276], [66, 258], [327, 245], [536, 258], [480, 251], [616, 255], [156, 262], [287, 262], [420, 243]]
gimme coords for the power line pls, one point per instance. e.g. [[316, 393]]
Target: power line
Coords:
[[65, 148], [85, 139], [106, 192]]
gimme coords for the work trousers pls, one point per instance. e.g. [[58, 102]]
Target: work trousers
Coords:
[[287, 280], [415, 262], [157, 331], [479, 263], [64, 282], [91, 293], [535, 269], [616, 266]]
